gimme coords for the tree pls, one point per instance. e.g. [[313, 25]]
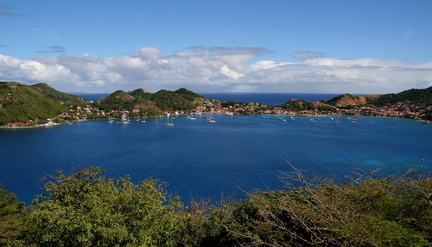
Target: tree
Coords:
[[12, 217], [366, 212], [85, 209]]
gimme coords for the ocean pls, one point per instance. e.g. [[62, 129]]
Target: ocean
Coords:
[[197, 159]]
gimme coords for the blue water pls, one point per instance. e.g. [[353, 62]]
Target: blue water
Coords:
[[199, 159], [92, 96], [264, 98]]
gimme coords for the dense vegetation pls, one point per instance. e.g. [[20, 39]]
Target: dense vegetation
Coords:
[[39, 102], [413, 95], [63, 98], [151, 104], [20, 103], [87, 209]]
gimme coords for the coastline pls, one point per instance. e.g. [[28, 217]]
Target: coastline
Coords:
[[53, 124]]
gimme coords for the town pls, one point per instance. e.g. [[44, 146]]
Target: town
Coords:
[[420, 112]]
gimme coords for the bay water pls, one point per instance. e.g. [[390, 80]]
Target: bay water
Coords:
[[200, 159]]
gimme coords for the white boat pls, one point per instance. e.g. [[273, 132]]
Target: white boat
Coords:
[[111, 119], [124, 119], [156, 122], [192, 118], [169, 121], [210, 119]]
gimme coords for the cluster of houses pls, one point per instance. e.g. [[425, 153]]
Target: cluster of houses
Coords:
[[398, 110]]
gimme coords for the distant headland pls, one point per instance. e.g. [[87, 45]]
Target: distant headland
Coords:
[[41, 105]]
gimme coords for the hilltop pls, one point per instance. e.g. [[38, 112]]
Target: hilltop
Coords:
[[62, 98], [412, 95]]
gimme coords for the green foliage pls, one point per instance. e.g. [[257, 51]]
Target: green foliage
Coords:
[[66, 99], [298, 105], [170, 101], [85, 209], [12, 217], [412, 95], [189, 95], [20, 103], [119, 100], [427, 115], [372, 212], [151, 104], [228, 103], [141, 93]]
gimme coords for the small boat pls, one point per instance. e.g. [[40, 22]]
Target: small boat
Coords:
[[210, 119], [124, 119], [169, 122]]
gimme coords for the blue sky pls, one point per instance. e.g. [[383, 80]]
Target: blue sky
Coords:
[[295, 46]]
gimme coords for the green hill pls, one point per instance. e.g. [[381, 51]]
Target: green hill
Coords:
[[412, 95], [63, 98], [141, 93], [152, 104], [21, 103]]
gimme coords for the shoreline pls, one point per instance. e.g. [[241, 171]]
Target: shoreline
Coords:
[[48, 125]]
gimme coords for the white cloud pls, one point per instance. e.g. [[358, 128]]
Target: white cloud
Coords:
[[217, 69]]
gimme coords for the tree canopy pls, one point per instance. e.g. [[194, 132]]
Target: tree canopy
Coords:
[[87, 209]]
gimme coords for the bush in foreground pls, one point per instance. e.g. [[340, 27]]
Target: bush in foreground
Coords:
[[86, 209]]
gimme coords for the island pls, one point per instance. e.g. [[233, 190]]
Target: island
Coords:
[[39, 105]]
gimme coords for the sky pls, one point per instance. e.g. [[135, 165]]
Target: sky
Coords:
[[210, 46]]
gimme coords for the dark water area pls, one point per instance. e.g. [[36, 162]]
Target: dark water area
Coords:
[[92, 96], [200, 159]]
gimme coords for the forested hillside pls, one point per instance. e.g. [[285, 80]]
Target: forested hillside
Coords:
[[63, 98], [412, 95], [20, 103], [39, 102], [151, 104]]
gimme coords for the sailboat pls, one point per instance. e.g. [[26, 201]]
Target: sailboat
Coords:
[[111, 119], [156, 122], [210, 119], [337, 121], [169, 121], [124, 119]]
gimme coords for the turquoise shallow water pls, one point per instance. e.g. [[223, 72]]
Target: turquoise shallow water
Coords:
[[202, 159]]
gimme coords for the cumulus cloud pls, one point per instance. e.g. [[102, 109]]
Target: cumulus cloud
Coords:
[[217, 69]]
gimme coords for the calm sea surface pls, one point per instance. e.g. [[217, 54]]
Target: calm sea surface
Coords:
[[200, 159]]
